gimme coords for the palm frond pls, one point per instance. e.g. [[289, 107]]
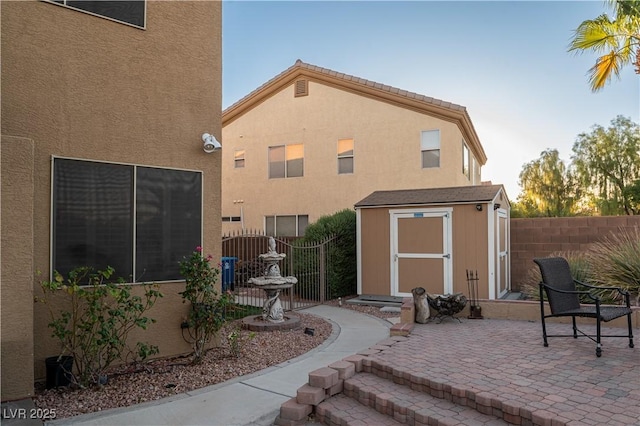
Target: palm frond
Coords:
[[602, 71]]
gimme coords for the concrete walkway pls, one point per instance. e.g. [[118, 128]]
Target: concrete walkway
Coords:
[[253, 399]]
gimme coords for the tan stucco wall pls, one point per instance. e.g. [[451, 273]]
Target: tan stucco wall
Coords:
[[85, 87], [386, 154], [16, 282]]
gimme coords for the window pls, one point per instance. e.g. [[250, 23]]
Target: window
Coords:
[[345, 156], [130, 12], [466, 170], [238, 158], [231, 218], [286, 226], [286, 161], [430, 147], [139, 220]]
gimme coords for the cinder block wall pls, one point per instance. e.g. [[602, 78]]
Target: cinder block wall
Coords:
[[539, 237]]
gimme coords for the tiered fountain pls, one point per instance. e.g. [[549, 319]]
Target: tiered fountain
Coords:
[[272, 283]]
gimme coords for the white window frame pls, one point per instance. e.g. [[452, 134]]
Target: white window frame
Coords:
[[430, 142], [346, 156]]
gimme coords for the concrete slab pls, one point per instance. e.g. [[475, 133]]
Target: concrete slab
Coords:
[[22, 413]]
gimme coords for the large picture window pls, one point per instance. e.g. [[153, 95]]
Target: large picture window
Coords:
[[130, 12], [286, 226], [139, 220]]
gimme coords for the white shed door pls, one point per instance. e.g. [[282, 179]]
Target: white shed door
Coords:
[[421, 251]]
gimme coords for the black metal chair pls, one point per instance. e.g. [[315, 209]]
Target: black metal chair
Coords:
[[564, 300]]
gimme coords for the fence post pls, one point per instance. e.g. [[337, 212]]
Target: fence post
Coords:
[[323, 278]]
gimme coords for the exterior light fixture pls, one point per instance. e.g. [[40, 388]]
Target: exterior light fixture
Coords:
[[496, 206], [479, 207], [211, 144]]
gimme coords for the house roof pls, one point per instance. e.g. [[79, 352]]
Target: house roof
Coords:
[[402, 98], [450, 195]]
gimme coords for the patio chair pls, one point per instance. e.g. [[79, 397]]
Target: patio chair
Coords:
[[560, 288]]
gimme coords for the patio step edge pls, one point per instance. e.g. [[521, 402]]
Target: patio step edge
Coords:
[[412, 406]]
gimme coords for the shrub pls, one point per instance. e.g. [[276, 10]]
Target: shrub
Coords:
[[342, 277], [615, 260], [94, 330], [207, 312], [580, 270]]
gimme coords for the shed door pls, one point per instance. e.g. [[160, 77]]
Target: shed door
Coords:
[[421, 252], [502, 258]]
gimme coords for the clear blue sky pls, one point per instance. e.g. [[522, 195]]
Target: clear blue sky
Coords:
[[505, 61]]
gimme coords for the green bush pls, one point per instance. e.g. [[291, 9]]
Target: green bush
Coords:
[[342, 276], [615, 260], [100, 315]]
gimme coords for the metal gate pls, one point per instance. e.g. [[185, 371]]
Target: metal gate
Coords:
[[310, 263]]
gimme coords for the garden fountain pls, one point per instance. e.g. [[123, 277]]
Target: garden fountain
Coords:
[[272, 282]]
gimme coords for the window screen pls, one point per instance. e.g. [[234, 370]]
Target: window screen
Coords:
[[94, 212]]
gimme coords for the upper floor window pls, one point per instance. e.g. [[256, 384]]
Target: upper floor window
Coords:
[[430, 147], [466, 157], [286, 226], [286, 161], [130, 12], [139, 220], [345, 156], [238, 158]]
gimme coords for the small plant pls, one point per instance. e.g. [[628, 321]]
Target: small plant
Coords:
[[237, 341], [616, 262], [206, 315], [100, 316], [580, 270]]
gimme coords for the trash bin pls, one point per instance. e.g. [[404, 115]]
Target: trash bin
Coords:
[[228, 273], [59, 372]]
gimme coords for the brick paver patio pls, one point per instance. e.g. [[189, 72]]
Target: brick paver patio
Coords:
[[500, 369]]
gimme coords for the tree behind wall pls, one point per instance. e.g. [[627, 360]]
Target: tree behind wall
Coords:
[[548, 188], [607, 163]]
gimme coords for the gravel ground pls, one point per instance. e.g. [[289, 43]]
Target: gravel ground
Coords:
[[166, 377]]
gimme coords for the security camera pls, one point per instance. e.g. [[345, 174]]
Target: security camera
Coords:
[[210, 143]]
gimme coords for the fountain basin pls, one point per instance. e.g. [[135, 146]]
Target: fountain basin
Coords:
[[257, 323]]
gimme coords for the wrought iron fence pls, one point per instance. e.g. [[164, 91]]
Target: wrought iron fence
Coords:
[[310, 263]]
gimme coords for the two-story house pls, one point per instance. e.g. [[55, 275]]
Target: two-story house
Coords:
[[312, 141], [104, 107]]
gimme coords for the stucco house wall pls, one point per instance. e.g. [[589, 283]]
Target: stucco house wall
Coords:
[[84, 87], [386, 135]]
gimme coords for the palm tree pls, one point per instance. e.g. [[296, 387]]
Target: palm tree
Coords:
[[618, 41]]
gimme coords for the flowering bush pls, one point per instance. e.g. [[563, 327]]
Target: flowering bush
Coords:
[[206, 315]]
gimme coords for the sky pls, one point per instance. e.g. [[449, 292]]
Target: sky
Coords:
[[505, 61]]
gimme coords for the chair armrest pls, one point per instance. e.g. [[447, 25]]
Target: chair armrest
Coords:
[[625, 293], [586, 293]]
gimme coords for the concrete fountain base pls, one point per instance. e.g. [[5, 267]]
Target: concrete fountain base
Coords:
[[257, 323]]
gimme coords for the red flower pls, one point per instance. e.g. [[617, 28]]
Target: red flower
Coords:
[[199, 249]]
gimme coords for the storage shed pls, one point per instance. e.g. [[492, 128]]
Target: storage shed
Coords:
[[430, 237]]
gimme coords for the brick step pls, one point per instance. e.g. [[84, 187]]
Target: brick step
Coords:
[[410, 406], [344, 411]]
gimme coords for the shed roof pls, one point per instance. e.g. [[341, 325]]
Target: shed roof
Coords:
[[450, 195]]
